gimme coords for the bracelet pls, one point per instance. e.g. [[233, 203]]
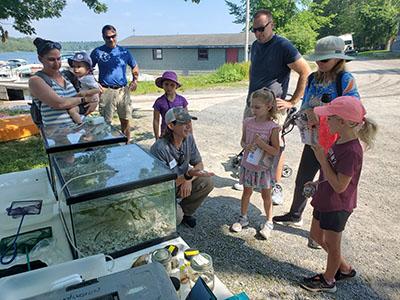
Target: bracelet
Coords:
[[187, 176]]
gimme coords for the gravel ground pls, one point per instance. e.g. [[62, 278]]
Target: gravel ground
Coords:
[[272, 269]]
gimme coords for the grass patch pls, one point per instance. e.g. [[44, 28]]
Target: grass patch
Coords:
[[23, 154], [379, 54], [13, 112], [228, 75]]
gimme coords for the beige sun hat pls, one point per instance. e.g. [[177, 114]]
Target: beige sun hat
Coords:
[[329, 47]]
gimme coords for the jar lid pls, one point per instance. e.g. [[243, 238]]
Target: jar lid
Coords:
[[201, 262], [161, 255]]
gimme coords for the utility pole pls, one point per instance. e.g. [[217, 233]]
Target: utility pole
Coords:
[[246, 46]]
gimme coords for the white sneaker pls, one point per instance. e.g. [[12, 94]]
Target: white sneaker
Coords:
[[239, 225], [313, 244], [266, 230], [237, 186], [277, 194]]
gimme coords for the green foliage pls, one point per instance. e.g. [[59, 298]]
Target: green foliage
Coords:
[[297, 20], [372, 22], [301, 30], [230, 73], [26, 44], [23, 12], [226, 75], [24, 154]]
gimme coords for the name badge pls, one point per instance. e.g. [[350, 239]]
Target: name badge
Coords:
[[172, 164]]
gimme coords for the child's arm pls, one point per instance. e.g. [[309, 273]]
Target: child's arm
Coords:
[[338, 181], [248, 147], [156, 124], [89, 93], [272, 149]]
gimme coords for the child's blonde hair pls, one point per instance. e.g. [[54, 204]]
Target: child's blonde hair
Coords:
[[366, 132], [268, 97]]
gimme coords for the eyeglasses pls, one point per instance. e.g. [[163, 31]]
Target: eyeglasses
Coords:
[[260, 29], [109, 37], [324, 60]]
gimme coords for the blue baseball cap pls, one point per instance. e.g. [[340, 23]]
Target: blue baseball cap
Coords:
[[81, 57]]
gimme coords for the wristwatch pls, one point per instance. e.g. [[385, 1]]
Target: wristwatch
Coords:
[[82, 100], [187, 176]]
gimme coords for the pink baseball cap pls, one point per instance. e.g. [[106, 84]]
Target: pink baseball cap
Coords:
[[346, 107]]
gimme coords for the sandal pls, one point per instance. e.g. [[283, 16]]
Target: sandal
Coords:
[[340, 275]]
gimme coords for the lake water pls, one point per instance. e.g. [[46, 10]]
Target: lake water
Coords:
[[30, 57]]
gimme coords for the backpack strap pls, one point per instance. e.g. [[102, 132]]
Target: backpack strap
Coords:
[[310, 79], [339, 86], [45, 77]]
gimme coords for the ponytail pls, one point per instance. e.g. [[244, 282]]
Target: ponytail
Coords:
[[368, 132]]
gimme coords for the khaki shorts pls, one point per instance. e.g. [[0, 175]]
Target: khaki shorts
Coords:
[[119, 100]]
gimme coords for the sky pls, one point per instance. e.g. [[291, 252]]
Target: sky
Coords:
[[136, 17]]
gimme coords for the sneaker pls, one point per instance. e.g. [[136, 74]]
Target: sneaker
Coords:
[[313, 244], [318, 283], [288, 220], [189, 221], [237, 186], [266, 230], [239, 225], [341, 276], [277, 194]]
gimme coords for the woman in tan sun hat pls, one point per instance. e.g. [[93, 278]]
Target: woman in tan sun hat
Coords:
[[330, 81]]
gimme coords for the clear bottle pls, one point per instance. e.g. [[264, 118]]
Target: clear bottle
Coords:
[[202, 266], [184, 276], [163, 256]]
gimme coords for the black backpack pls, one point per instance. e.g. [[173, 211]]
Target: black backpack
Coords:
[[37, 104], [339, 89]]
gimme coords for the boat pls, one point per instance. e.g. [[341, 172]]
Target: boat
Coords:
[[17, 70]]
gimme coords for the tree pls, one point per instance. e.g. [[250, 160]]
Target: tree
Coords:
[[372, 22], [22, 12], [297, 20]]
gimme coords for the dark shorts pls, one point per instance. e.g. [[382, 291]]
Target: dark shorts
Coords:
[[334, 221]]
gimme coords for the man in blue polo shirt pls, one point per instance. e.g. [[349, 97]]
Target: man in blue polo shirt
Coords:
[[272, 59], [113, 60]]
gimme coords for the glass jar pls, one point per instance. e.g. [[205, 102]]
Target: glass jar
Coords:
[[202, 266], [163, 256]]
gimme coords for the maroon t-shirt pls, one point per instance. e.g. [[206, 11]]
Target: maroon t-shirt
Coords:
[[346, 159]]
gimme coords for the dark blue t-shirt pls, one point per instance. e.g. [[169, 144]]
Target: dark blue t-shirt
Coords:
[[112, 64], [269, 65]]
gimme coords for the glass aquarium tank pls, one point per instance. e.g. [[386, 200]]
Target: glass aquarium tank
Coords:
[[115, 199]]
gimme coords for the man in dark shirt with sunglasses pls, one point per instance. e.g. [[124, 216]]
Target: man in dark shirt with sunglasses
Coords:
[[178, 150], [113, 60], [272, 59]]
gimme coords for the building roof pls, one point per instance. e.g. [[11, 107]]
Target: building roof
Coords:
[[221, 40]]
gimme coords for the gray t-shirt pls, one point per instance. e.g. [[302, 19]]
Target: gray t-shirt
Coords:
[[178, 160], [269, 65], [88, 82]]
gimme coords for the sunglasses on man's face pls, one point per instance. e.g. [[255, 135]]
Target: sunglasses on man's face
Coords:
[[260, 29], [110, 37]]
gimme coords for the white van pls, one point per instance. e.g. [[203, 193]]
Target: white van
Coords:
[[349, 44]]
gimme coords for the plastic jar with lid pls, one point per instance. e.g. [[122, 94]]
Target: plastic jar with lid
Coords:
[[163, 256], [202, 266]]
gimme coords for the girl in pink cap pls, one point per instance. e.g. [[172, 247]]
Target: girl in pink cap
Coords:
[[169, 83], [336, 189]]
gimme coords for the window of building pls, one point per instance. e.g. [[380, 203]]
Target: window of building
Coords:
[[157, 54], [202, 54]]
